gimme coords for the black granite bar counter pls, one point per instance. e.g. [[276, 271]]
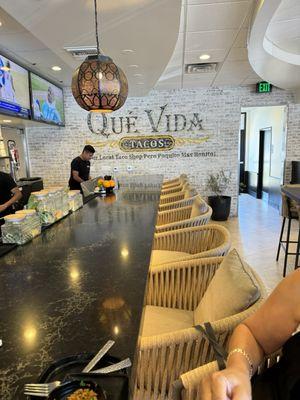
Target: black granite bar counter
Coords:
[[77, 285]]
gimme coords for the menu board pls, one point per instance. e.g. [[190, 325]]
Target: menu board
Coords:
[[14, 89], [46, 101]]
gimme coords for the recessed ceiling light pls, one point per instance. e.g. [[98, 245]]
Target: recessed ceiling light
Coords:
[[56, 68], [127, 51], [137, 74], [0, 23], [140, 83], [7, 120], [204, 57], [133, 66]]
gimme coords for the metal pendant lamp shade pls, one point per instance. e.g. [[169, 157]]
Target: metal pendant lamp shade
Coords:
[[98, 84]]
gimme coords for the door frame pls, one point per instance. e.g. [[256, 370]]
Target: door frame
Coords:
[[261, 160], [242, 152]]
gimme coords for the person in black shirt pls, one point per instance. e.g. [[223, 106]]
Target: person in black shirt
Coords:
[[9, 194], [80, 168]]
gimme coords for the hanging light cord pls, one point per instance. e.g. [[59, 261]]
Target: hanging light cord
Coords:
[[96, 28]]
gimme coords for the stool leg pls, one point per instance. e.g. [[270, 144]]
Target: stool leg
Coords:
[[280, 240], [287, 246], [298, 249]]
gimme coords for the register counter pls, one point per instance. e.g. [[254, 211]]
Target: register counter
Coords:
[[77, 285]]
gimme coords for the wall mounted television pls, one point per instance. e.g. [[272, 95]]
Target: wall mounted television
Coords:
[[47, 101], [14, 89]]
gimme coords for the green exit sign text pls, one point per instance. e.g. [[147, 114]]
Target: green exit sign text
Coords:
[[263, 87]]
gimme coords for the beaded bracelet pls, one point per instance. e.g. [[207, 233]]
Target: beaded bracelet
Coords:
[[246, 355]]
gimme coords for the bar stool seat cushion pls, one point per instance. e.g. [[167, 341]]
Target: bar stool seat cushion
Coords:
[[166, 256], [233, 289], [160, 320]]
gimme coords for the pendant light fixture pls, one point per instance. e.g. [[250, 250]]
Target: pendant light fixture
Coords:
[[98, 84]]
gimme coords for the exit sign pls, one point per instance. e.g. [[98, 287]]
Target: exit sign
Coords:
[[263, 87]]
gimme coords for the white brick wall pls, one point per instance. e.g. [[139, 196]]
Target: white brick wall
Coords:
[[293, 138], [51, 149]]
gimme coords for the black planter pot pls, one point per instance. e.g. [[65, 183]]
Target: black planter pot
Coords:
[[220, 206]]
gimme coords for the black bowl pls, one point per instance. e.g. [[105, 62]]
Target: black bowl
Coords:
[[66, 389]]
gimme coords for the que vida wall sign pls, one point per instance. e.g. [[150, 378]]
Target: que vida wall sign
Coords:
[[157, 122], [106, 125]]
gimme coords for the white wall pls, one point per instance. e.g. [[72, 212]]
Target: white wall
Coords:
[[51, 149], [266, 117]]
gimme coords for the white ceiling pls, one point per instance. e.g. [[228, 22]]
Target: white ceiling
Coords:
[[284, 28], [274, 43], [164, 34], [218, 28], [38, 30]]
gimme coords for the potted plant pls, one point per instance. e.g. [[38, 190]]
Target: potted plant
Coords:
[[219, 203]]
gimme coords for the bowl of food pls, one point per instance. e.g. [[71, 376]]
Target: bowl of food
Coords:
[[78, 390]]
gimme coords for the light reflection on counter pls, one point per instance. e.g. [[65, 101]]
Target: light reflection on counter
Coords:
[[74, 272], [115, 314], [116, 330], [124, 252], [29, 334]]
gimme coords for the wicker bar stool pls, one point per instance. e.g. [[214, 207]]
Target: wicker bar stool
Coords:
[[172, 197], [290, 211], [174, 189], [195, 214], [169, 344], [186, 200], [189, 243], [174, 182]]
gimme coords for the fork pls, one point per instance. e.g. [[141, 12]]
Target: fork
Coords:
[[40, 389], [43, 389]]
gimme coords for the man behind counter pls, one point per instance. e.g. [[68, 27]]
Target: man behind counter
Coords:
[[9, 193], [80, 168]]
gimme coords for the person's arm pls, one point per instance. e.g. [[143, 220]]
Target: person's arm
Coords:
[[262, 333], [76, 177], [17, 195], [75, 167]]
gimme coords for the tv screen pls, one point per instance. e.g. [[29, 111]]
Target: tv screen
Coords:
[[47, 101], [14, 89]]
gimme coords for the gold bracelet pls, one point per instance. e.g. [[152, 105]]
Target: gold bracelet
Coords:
[[246, 355]]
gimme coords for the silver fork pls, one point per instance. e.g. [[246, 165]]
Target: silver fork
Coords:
[[40, 389], [44, 389]]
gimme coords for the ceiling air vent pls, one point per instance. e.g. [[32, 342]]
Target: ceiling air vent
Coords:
[[200, 68], [80, 53]]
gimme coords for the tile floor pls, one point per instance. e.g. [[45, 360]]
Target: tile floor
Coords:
[[255, 234]]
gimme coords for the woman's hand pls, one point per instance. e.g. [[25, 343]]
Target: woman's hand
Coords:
[[228, 384]]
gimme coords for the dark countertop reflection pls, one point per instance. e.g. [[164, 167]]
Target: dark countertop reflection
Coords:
[[77, 285]]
